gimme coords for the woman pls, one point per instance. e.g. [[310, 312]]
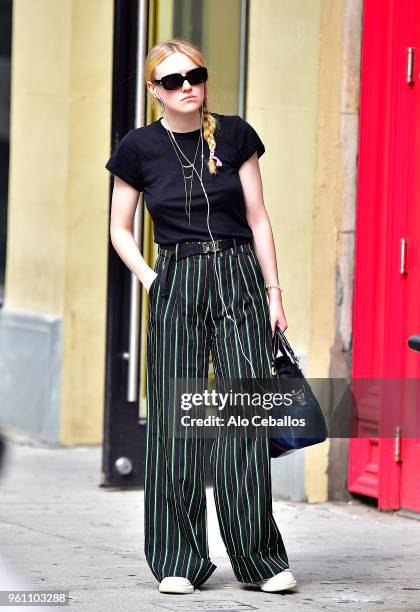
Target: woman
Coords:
[[208, 292]]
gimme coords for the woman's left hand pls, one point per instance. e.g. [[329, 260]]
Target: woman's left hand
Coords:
[[277, 316]]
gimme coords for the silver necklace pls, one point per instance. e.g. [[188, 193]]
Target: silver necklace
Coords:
[[184, 168]]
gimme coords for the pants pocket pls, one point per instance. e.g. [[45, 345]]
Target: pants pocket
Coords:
[[257, 267], [250, 273], [154, 283], [158, 269]]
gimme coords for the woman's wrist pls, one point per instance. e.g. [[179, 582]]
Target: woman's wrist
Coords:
[[147, 281], [274, 294]]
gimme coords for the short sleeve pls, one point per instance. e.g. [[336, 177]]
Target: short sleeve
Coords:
[[247, 141], [125, 161]]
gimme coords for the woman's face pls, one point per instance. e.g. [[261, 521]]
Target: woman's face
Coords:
[[176, 100]]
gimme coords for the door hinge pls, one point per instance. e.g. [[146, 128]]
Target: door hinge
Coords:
[[403, 255], [410, 65], [397, 444]]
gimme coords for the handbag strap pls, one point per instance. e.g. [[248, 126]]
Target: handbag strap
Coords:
[[280, 341]]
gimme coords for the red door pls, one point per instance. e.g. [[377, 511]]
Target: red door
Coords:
[[387, 260], [410, 447]]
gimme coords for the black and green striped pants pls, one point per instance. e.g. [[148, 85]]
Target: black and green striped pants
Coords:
[[185, 324]]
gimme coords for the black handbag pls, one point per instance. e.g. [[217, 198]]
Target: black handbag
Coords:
[[304, 404]]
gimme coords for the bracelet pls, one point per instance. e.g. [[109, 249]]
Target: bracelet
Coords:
[[267, 286]]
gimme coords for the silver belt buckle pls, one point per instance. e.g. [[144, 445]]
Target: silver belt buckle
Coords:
[[209, 247]]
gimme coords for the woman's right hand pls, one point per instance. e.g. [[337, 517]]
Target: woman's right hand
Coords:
[[151, 281]]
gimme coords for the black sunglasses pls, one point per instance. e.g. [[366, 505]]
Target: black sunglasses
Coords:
[[176, 80]]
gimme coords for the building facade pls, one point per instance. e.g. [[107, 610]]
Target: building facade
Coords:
[[73, 322]]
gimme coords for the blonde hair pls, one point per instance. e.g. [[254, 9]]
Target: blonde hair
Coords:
[[160, 52]]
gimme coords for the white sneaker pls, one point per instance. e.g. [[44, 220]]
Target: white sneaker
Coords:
[[280, 582], [176, 584]]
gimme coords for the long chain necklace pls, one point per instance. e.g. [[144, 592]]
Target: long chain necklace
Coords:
[[185, 167]]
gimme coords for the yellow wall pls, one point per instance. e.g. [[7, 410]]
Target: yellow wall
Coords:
[[281, 105], [223, 94], [295, 81], [58, 206], [327, 200], [58, 199]]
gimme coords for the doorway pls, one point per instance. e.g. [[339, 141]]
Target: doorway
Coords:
[[387, 270], [137, 27]]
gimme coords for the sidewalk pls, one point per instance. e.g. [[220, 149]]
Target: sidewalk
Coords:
[[60, 530]]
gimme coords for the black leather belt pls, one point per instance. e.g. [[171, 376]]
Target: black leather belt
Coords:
[[193, 248]]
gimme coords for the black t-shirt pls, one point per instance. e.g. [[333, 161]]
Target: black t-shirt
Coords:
[[145, 159]]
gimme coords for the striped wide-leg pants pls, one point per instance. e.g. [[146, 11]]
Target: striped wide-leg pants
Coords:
[[184, 325]]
